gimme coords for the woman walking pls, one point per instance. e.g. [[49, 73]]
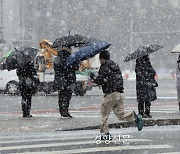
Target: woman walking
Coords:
[[145, 85]]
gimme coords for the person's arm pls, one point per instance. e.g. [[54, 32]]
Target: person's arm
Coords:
[[100, 79], [76, 66]]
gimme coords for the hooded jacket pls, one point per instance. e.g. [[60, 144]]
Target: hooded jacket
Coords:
[[110, 78]]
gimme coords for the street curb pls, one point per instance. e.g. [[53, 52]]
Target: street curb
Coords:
[[149, 122]]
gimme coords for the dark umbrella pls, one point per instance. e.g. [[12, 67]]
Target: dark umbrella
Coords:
[[88, 51], [25, 55], [10, 63], [72, 40], [19, 57], [142, 51]]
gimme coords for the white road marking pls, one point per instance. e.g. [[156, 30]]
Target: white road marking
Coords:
[[170, 153], [113, 148], [46, 145], [65, 138], [131, 97]]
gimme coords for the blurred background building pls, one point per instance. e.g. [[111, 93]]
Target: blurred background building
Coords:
[[126, 24]]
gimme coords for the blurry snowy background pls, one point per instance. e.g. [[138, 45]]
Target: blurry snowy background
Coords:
[[126, 24]]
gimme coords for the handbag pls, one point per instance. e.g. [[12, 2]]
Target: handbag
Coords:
[[152, 83]]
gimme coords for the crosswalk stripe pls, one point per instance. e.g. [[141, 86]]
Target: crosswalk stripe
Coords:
[[75, 115], [113, 148], [131, 97], [169, 153], [40, 140], [46, 145], [63, 139]]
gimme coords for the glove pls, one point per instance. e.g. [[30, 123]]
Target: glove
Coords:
[[92, 76]]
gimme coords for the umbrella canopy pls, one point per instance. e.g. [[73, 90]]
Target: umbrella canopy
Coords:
[[72, 40], [176, 49], [25, 54], [10, 63], [142, 51], [87, 52], [19, 57], [7, 54]]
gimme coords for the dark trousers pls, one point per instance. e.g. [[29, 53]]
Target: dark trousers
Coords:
[[26, 102], [64, 97], [26, 94], [141, 107]]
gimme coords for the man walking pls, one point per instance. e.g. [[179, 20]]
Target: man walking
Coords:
[[111, 80]]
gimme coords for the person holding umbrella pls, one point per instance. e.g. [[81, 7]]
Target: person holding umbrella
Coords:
[[66, 64], [64, 79], [111, 80], [145, 85], [145, 78], [28, 81]]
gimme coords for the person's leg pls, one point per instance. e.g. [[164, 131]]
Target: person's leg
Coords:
[[67, 98], [178, 91], [24, 104], [141, 108], [119, 108], [147, 110], [106, 109], [29, 98], [64, 100], [22, 89], [60, 100]]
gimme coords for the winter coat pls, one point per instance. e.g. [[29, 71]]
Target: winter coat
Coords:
[[65, 76], [178, 80], [145, 80], [110, 78], [28, 81]]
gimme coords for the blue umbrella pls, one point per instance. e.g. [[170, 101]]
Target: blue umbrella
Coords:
[[87, 52]]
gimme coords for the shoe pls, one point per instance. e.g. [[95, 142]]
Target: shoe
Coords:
[[147, 116], [106, 136], [139, 121], [66, 116], [24, 115]]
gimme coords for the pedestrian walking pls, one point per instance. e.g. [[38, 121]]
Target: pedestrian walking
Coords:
[[178, 80], [64, 79], [111, 80], [145, 85], [28, 83]]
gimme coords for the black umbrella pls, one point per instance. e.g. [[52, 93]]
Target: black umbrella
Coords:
[[142, 51], [25, 54], [10, 63], [72, 40], [20, 57]]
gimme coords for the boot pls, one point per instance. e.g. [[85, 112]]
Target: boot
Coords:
[[25, 114], [147, 110], [28, 113]]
